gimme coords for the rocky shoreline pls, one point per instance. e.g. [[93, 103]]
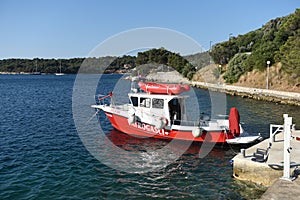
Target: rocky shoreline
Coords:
[[291, 98], [275, 96]]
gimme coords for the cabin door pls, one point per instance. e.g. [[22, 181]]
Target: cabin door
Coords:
[[175, 111]]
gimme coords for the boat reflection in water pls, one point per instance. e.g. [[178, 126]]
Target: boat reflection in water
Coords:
[[137, 144]]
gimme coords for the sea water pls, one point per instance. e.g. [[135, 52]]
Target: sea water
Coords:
[[43, 157]]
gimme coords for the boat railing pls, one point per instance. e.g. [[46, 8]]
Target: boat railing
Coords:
[[103, 99], [274, 130], [124, 107]]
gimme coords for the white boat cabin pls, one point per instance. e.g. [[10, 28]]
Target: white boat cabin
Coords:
[[155, 107]]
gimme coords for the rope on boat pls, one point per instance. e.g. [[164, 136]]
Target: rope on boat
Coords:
[[229, 143], [92, 117]]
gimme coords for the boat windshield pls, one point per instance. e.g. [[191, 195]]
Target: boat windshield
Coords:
[[134, 101]]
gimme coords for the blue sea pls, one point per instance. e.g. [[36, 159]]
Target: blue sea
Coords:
[[42, 155]]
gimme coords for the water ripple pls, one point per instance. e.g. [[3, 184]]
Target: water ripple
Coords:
[[42, 156]]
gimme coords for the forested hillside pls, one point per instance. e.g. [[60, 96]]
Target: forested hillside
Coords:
[[277, 41], [111, 64], [69, 66]]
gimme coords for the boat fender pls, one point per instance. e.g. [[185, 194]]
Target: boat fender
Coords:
[[234, 122], [161, 123], [197, 132], [164, 121], [131, 119]]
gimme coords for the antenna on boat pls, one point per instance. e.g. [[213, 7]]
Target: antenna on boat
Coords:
[[135, 83]]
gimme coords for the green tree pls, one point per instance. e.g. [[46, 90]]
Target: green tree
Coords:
[[236, 67], [259, 57], [187, 69], [289, 56]]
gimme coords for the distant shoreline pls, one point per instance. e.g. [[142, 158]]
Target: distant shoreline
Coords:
[[275, 96], [23, 73], [15, 73], [29, 73]]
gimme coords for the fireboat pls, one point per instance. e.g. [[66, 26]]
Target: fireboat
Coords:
[[158, 110]]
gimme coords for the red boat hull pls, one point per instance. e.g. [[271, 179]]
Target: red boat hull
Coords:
[[145, 131]]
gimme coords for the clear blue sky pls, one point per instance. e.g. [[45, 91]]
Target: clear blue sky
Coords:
[[69, 28]]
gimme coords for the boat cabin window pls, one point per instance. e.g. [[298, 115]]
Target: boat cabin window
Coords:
[[134, 101], [145, 102], [158, 103]]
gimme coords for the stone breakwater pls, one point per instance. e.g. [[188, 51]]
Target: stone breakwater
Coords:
[[292, 98]]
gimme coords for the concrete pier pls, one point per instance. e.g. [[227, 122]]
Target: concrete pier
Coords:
[[269, 173], [283, 189]]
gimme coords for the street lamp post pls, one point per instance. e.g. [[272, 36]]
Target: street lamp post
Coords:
[[268, 66], [220, 70]]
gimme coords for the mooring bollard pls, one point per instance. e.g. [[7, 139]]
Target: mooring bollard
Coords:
[[243, 152]]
